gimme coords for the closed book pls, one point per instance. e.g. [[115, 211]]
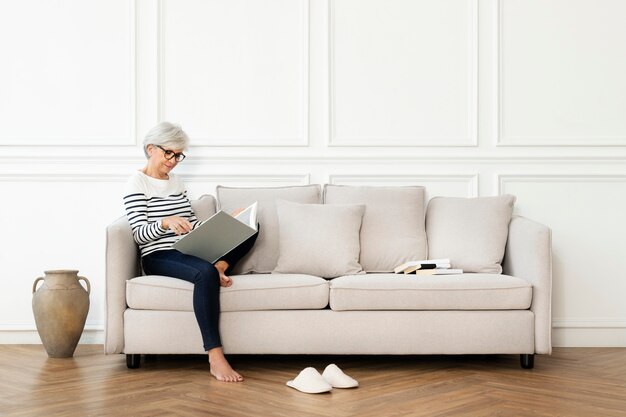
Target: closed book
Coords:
[[437, 271], [423, 264]]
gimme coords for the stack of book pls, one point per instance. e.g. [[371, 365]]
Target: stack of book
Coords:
[[427, 267]]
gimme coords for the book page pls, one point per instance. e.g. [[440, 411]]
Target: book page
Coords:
[[248, 216]]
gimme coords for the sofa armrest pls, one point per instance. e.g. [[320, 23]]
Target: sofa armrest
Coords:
[[528, 255], [122, 263]]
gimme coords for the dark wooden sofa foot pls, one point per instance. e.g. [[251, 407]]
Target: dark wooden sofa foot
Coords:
[[133, 361], [527, 360]]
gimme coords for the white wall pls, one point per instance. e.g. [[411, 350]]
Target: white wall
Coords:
[[467, 97]]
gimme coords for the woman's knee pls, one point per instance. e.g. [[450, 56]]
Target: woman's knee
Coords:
[[208, 274]]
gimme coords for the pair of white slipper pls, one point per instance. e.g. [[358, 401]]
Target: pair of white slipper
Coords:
[[310, 381]]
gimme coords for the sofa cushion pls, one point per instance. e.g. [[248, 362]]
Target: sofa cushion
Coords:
[[319, 239], [393, 230], [264, 255], [431, 292], [204, 207], [471, 232], [248, 293]]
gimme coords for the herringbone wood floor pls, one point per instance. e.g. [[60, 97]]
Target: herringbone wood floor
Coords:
[[571, 382]]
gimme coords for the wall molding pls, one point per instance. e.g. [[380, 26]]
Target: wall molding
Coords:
[[131, 139], [296, 179], [52, 177], [91, 154], [208, 141], [472, 118], [589, 323], [502, 179], [577, 331], [470, 180], [27, 334], [503, 140], [304, 179]]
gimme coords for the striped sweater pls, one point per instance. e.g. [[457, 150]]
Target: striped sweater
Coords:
[[147, 200]]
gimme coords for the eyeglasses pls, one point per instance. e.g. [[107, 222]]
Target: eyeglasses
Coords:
[[169, 155]]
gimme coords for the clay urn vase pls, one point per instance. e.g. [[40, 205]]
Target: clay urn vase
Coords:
[[60, 306]]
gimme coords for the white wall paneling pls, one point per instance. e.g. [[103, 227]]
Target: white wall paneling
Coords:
[[55, 222], [68, 72], [465, 97], [585, 213], [62, 218], [391, 84], [236, 72], [559, 77], [198, 184]]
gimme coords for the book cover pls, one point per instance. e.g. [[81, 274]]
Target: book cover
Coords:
[[219, 234]]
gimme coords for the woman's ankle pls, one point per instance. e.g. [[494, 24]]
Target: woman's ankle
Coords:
[[221, 266], [216, 353]]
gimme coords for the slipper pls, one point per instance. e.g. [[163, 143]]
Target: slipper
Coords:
[[335, 377], [310, 381]]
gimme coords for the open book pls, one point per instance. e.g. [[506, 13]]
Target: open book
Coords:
[[219, 234]]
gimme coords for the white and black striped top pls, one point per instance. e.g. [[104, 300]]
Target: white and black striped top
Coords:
[[147, 200]]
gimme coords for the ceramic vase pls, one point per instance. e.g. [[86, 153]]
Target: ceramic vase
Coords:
[[60, 306]]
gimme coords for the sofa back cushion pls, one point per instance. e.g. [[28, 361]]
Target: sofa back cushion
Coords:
[[204, 207], [393, 230], [264, 255], [471, 232], [319, 239]]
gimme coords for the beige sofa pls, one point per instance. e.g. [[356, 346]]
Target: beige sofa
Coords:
[[312, 307]]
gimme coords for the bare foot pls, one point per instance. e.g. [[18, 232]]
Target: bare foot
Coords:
[[220, 368], [222, 266]]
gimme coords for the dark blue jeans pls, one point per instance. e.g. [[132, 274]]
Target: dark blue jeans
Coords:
[[206, 281]]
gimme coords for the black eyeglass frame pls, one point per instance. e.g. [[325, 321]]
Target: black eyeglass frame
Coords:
[[169, 154]]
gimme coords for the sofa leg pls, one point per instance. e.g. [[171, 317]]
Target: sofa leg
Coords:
[[527, 360], [133, 361]]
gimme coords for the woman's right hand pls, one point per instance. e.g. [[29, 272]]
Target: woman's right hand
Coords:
[[176, 224]]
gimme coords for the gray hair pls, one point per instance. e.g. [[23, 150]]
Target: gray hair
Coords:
[[168, 135]]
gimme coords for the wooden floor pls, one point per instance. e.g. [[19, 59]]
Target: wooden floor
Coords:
[[571, 382]]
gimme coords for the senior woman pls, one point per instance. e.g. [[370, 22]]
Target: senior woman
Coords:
[[159, 213]]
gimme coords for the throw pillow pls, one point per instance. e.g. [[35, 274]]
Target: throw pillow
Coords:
[[471, 232], [393, 230], [319, 239], [264, 254]]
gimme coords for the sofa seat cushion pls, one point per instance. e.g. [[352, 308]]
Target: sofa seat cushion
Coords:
[[248, 293], [433, 292]]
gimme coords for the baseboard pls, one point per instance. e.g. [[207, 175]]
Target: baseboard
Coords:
[[594, 332], [589, 338], [27, 335]]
